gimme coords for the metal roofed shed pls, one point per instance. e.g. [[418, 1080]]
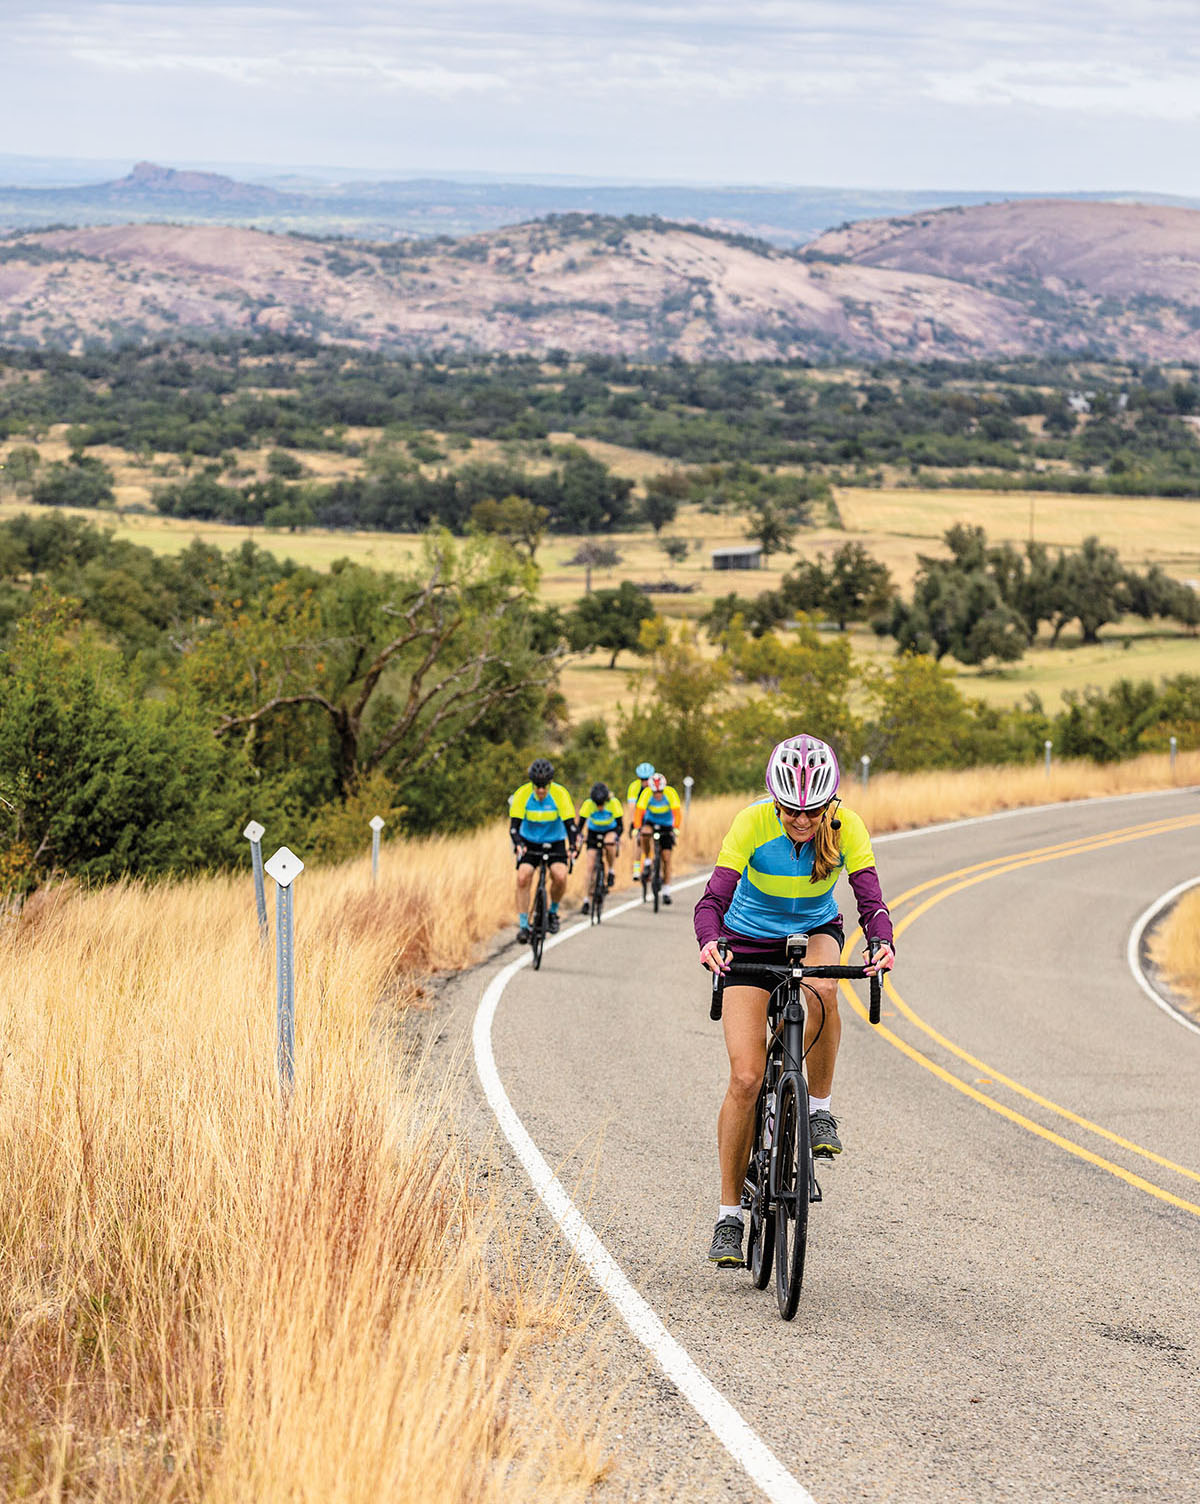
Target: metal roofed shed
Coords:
[[745, 556]]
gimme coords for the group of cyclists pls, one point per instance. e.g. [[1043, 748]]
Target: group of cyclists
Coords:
[[542, 821], [775, 875]]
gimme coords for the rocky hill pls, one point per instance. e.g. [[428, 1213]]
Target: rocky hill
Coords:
[[1123, 280]]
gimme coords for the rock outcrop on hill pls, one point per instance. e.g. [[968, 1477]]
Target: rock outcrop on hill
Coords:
[[1120, 280]]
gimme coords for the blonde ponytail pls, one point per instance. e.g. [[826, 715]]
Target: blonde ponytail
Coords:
[[827, 850]]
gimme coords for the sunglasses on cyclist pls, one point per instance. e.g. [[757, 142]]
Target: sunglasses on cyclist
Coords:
[[793, 813]]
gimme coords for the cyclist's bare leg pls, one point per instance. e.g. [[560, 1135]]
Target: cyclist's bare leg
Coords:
[[558, 880], [645, 843], [610, 851], [745, 1021], [822, 951], [667, 854], [524, 884]]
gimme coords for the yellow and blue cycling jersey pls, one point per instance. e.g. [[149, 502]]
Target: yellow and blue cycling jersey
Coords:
[[775, 894], [634, 790], [601, 818], [658, 809], [543, 819]]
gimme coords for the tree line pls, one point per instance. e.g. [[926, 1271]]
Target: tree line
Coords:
[[1069, 424]]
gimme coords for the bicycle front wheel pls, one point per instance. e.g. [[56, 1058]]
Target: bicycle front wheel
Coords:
[[793, 1181], [656, 878], [537, 926], [598, 890]]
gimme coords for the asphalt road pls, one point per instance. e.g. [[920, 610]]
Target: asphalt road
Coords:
[[1002, 1297]]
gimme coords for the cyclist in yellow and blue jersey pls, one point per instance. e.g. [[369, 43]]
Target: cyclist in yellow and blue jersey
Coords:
[[600, 814], [658, 808], [642, 775], [775, 876], [541, 818]]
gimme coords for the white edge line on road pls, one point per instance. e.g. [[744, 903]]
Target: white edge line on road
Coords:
[[1133, 954], [743, 1443]]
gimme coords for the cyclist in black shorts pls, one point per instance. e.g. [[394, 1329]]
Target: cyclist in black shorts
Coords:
[[601, 816], [541, 818], [775, 876]]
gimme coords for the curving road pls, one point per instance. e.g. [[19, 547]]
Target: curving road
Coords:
[[1003, 1292]]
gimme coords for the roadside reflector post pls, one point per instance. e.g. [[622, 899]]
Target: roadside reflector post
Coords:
[[1049, 745], [1174, 748], [254, 834], [377, 824], [688, 782], [285, 867], [864, 762]]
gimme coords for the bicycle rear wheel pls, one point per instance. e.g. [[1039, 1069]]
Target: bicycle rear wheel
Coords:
[[793, 1181], [537, 924]]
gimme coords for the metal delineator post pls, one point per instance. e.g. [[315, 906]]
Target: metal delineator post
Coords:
[[1174, 749], [254, 834], [284, 867], [864, 763], [1049, 746], [688, 784], [377, 824]]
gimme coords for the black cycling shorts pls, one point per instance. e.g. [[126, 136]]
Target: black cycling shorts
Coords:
[[666, 834], [597, 838], [776, 956], [555, 850]]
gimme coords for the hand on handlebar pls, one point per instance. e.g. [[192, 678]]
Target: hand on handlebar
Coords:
[[714, 958], [880, 957]]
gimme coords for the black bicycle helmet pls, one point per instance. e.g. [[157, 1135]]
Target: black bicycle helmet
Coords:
[[541, 771], [600, 794]]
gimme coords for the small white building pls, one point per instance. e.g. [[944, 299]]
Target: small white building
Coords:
[[744, 556]]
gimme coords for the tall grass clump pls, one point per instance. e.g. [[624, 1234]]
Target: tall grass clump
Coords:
[[207, 1297], [1175, 948]]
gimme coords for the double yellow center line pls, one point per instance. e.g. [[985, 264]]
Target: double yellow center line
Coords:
[[946, 886]]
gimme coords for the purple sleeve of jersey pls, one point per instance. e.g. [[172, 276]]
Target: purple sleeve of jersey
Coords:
[[710, 911], [872, 911]]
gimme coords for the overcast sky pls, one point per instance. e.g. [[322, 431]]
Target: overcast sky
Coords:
[[961, 94]]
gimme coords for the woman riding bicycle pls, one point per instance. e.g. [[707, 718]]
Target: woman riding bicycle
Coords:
[[775, 876]]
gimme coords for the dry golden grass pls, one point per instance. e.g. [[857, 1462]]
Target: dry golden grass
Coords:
[[207, 1298], [1176, 948]]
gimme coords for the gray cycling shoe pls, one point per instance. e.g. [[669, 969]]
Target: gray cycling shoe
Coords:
[[726, 1250], [822, 1126]]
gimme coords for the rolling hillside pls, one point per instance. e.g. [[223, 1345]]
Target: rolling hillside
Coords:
[[1120, 280]]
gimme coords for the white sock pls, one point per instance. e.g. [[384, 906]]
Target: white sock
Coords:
[[730, 1211], [818, 1104], [666, 888]]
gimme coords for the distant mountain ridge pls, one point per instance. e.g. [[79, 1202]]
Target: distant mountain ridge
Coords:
[[387, 209], [994, 280]]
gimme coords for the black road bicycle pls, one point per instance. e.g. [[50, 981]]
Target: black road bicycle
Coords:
[[652, 869], [539, 909], [781, 1178], [599, 886]]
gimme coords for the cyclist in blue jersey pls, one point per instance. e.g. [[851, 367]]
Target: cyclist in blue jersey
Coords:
[[775, 876], [541, 818], [600, 815], [642, 775], [658, 808]]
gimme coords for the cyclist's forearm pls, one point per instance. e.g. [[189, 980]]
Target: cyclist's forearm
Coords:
[[514, 833], [872, 911], [710, 911]]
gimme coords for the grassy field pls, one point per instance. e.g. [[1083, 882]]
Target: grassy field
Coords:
[[896, 525], [1143, 529], [1176, 948]]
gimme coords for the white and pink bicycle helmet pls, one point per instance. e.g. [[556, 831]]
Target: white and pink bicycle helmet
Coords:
[[803, 772]]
